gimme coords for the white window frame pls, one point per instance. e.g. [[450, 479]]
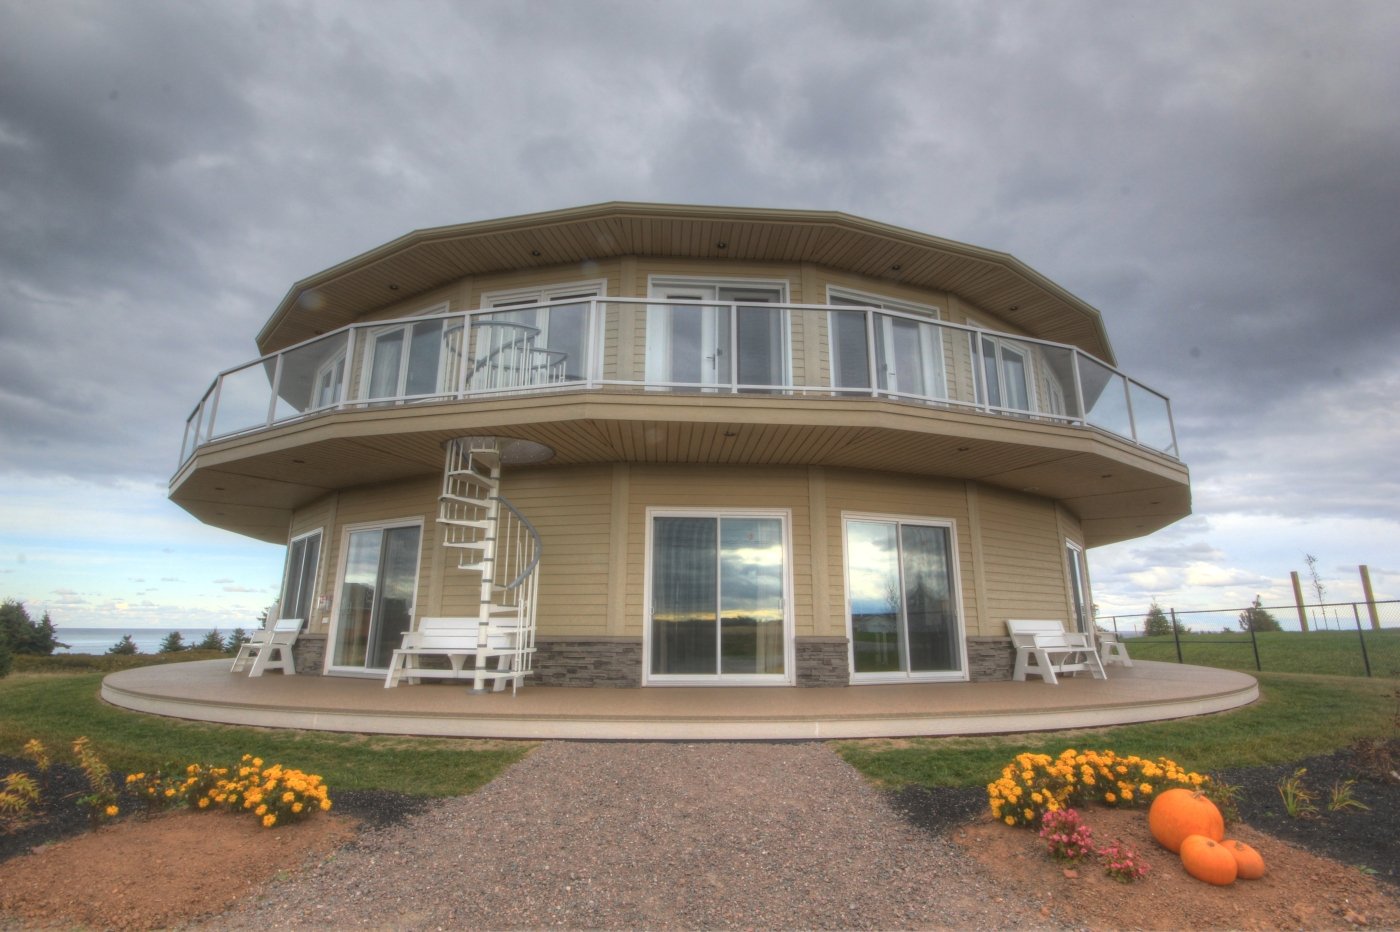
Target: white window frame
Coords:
[[342, 558], [931, 349], [789, 675], [315, 580], [658, 339], [406, 326], [947, 676], [1032, 366], [540, 297], [1078, 582], [328, 368]]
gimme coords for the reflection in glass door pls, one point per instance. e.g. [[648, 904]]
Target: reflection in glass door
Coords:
[[726, 335], [1006, 375], [718, 610], [901, 587], [409, 360], [376, 596]]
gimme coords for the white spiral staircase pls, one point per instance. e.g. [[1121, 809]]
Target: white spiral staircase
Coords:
[[499, 545]]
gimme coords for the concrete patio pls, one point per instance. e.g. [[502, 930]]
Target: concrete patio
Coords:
[[1148, 691]]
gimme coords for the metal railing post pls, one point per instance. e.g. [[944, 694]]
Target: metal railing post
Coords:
[[1176, 636], [870, 353], [1128, 402], [1360, 636], [1254, 642], [276, 385], [1079, 388]]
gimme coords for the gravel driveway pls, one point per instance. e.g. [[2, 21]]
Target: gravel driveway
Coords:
[[649, 835]]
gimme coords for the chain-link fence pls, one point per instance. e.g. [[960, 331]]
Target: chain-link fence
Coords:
[[1347, 638]]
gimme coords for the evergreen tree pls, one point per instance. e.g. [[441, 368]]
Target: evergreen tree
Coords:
[[1256, 618], [45, 638], [174, 643], [6, 655], [25, 636], [236, 639], [212, 641], [124, 647], [1157, 622]]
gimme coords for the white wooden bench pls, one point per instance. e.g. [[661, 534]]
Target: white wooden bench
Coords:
[[1045, 648], [270, 647], [1113, 650], [458, 639]]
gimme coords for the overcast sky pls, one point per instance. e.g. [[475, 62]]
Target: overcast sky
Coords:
[[1221, 179]]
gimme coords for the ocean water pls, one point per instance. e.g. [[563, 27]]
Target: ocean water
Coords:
[[148, 640]]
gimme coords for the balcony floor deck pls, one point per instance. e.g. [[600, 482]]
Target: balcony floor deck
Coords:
[[1148, 691]]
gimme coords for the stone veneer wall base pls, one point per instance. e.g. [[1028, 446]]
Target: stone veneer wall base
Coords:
[[990, 658], [587, 661], [309, 654], [822, 661], [616, 662]]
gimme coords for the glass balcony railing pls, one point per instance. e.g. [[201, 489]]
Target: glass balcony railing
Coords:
[[670, 346]]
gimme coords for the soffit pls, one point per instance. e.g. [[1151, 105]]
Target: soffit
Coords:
[[428, 259], [1117, 490]]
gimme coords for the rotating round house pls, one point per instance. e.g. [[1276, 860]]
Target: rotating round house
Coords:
[[643, 445]]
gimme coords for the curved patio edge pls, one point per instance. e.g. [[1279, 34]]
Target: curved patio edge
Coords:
[[1148, 691]]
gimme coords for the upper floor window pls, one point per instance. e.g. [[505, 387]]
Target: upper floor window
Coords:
[[722, 334], [553, 318], [907, 350]]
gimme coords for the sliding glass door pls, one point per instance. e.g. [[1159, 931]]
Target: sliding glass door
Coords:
[[379, 579], [717, 607], [721, 334], [903, 613]]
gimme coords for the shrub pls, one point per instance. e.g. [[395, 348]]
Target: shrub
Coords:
[[212, 641], [276, 795], [1122, 863], [1034, 784], [174, 643], [1066, 836], [236, 638], [23, 634], [123, 647], [102, 800]]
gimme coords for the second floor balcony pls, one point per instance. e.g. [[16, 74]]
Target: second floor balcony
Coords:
[[648, 346]]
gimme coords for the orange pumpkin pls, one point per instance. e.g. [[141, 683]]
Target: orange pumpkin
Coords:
[[1250, 863], [1208, 860], [1180, 812]]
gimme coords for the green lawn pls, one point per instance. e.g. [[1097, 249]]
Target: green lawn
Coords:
[[1298, 715], [58, 707], [1332, 652]]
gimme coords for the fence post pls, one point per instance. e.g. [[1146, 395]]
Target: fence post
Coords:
[[1298, 600], [1254, 642], [1365, 658], [1176, 636], [1370, 597]]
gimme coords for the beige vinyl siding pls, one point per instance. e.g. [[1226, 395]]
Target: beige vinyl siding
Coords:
[[473, 289], [318, 516], [572, 510], [1023, 554], [1071, 531], [873, 493], [826, 278], [380, 504], [715, 489], [437, 301]]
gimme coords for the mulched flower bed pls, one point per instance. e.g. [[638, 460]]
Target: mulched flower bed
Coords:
[[1361, 838], [61, 816]]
